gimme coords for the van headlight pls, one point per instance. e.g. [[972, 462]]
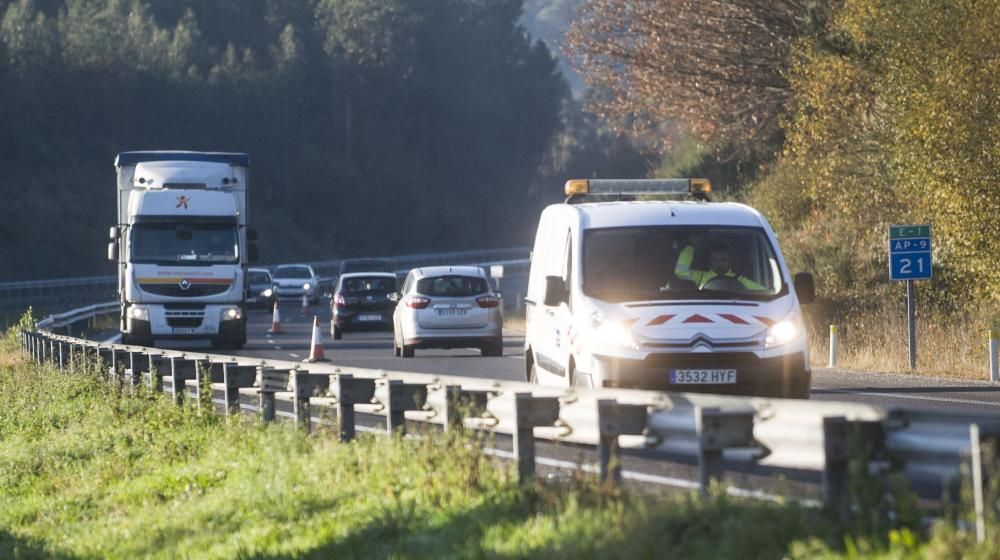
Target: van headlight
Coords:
[[232, 313], [784, 331], [612, 333], [139, 313]]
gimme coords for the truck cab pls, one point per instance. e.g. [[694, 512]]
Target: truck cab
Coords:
[[632, 286], [182, 247]]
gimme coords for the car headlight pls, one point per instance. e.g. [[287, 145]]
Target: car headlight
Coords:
[[306, 286], [612, 332], [139, 313], [784, 331], [232, 314], [267, 293]]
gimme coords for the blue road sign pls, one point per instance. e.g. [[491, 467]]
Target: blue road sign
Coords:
[[910, 252]]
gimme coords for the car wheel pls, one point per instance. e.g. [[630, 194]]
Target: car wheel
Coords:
[[333, 328], [395, 346], [407, 351], [337, 333], [492, 349]]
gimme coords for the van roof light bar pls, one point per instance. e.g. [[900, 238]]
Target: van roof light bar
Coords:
[[624, 189]]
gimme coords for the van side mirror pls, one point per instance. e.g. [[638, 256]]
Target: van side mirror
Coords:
[[555, 291], [253, 255], [805, 288], [113, 251]]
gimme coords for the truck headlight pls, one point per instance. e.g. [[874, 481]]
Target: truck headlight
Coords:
[[139, 313], [784, 331], [232, 314], [612, 332]]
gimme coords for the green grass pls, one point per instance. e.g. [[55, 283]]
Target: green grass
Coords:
[[90, 472]]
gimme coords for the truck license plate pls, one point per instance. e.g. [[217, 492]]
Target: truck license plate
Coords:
[[184, 330], [703, 376]]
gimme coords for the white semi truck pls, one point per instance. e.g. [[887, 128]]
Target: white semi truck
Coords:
[[182, 246]]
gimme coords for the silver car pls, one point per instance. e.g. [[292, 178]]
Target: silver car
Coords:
[[447, 307], [293, 280]]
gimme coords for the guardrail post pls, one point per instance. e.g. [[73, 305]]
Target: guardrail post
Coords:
[[120, 362], [138, 362], [841, 437], [270, 381], [398, 397], [350, 391], [530, 412], [718, 430], [61, 358], [213, 371], [181, 369], [613, 420], [305, 385], [976, 460], [235, 377], [458, 403], [158, 366]]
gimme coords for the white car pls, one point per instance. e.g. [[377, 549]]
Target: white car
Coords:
[[447, 307], [293, 280], [672, 295]]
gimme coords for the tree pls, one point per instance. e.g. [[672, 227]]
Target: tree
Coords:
[[717, 66]]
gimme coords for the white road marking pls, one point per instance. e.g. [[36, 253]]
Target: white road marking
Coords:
[[913, 397], [294, 355], [277, 347]]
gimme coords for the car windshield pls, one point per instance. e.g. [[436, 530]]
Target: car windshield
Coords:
[[175, 243], [260, 277], [654, 263], [354, 285], [292, 272], [452, 286]]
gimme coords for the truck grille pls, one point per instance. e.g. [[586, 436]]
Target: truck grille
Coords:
[[173, 290]]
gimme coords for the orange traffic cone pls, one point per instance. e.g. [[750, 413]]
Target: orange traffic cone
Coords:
[[305, 304], [316, 348], [276, 321]]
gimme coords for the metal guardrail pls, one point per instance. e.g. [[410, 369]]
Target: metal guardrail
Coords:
[[715, 432], [77, 291]]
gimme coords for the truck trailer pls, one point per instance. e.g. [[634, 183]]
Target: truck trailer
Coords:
[[182, 246]]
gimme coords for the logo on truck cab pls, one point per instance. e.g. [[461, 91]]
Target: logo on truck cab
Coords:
[[182, 202]]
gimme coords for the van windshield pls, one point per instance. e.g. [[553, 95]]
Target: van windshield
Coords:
[[680, 262], [187, 243]]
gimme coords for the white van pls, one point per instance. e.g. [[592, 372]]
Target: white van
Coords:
[[632, 287]]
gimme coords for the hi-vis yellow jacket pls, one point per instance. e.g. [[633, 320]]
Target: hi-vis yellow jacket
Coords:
[[683, 270]]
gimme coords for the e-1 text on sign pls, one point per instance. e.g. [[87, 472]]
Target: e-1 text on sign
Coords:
[[910, 252]]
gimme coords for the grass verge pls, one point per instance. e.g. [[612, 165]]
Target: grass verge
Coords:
[[87, 471]]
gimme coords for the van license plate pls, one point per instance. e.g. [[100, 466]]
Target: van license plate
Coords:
[[184, 330], [450, 312], [375, 317], [703, 376]]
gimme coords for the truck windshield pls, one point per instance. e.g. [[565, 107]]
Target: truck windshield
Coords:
[[187, 243], [674, 262]]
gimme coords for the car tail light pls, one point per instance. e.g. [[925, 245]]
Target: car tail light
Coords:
[[487, 301], [339, 301], [417, 302]]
